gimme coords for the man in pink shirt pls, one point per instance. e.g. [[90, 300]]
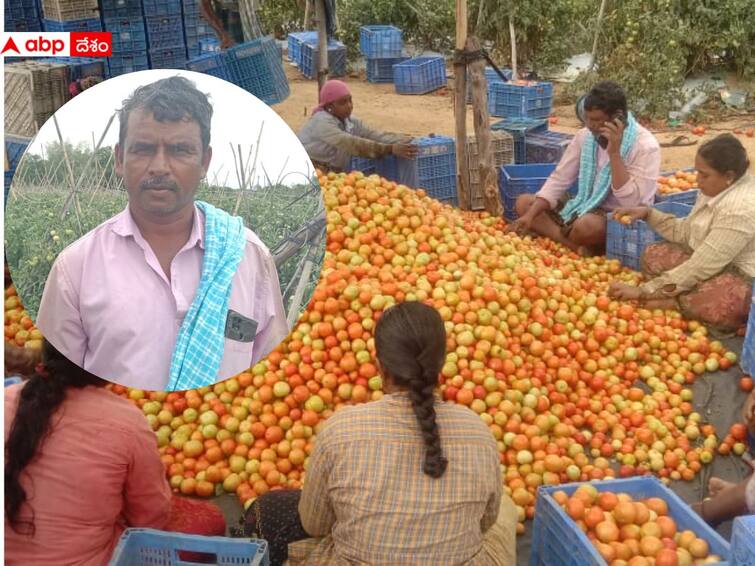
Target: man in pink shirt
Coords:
[[171, 293], [616, 162]]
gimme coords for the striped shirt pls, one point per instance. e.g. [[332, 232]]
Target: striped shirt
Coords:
[[366, 494], [720, 230]]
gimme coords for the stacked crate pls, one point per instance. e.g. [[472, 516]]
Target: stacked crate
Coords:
[[34, 90], [295, 41], [502, 146], [22, 15], [310, 57], [547, 147], [165, 34], [520, 129], [124, 20], [15, 147], [419, 75], [255, 66], [434, 169], [382, 47], [196, 29], [70, 15], [522, 99]]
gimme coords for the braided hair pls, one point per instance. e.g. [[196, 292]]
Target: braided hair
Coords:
[[40, 397], [410, 340]]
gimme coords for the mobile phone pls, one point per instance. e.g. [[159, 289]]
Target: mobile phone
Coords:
[[603, 140]]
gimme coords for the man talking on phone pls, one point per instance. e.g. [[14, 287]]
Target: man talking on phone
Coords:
[[614, 162]]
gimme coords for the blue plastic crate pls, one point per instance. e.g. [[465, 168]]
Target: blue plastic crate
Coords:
[[381, 70], [509, 100], [214, 64], [122, 63], [420, 75], [209, 45], [309, 60], [380, 42], [626, 243], [748, 350], [434, 168], [557, 541], [687, 197], [162, 7], [516, 180], [164, 31], [363, 164], [23, 10], [256, 66], [743, 541], [387, 167], [295, 41], [13, 380], [168, 58], [546, 147], [8, 180], [197, 31], [128, 34], [92, 24], [142, 547], [120, 9], [15, 146], [520, 128], [22, 25]]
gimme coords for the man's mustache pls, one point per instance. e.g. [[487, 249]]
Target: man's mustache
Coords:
[[158, 183]]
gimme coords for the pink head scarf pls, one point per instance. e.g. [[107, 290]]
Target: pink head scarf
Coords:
[[331, 91]]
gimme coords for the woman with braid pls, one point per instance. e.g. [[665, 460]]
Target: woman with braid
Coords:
[[407, 479]]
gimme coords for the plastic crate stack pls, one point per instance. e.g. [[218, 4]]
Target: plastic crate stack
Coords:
[[748, 350], [382, 47], [434, 169], [22, 15], [255, 66], [295, 41], [502, 145], [546, 147], [743, 541], [519, 129], [491, 76], [70, 15], [524, 99], [309, 58], [558, 541], [150, 546], [515, 180], [80, 67], [196, 29], [124, 20], [165, 34], [420, 75], [15, 146], [34, 90], [687, 197], [626, 243]]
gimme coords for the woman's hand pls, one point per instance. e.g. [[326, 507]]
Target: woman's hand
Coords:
[[629, 215], [405, 150], [624, 292]]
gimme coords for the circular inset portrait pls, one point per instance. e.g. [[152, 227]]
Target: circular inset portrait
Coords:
[[164, 229]]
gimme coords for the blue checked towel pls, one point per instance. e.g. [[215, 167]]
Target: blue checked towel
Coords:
[[592, 192], [201, 339]]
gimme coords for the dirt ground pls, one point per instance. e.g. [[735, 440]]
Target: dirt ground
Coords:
[[716, 396], [380, 107]]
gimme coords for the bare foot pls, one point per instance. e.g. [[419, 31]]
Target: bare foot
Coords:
[[717, 485]]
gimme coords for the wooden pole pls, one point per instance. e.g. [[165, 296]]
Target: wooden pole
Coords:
[[460, 109], [322, 41], [483, 159], [597, 34]]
